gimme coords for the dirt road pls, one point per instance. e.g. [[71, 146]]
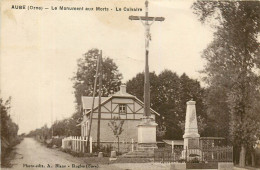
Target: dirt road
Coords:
[[32, 155]]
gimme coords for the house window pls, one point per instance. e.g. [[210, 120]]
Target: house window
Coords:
[[122, 108]]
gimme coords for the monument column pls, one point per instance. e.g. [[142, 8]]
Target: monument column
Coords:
[[191, 135]]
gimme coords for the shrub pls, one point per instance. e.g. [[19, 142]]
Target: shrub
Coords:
[[78, 154], [194, 160], [106, 149], [57, 142]]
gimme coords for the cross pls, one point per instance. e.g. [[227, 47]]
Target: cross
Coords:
[[147, 26]]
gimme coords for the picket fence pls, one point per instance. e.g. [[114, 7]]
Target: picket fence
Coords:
[[128, 145], [77, 143]]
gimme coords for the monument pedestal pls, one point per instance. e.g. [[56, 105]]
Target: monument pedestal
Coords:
[[147, 134]]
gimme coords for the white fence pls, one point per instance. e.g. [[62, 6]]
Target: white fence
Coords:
[[77, 143], [128, 145], [125, 145]]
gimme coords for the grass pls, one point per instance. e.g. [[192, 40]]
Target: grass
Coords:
[[132, 160], [105, 160], [248, 167]]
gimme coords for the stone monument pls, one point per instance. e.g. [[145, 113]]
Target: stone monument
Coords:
[[147, 134], [191, 135], [147, 128]]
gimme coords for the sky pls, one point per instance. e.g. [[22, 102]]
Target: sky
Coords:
[[39, 49]]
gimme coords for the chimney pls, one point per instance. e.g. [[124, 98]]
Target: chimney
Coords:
[[123, 89]]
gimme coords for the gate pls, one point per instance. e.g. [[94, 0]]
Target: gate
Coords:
[[167, 155], [209, 155]]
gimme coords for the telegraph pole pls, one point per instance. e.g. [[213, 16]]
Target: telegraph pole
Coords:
[[145, 21], [99, 97], [93, 101]]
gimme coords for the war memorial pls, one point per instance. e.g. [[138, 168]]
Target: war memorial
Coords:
[[86, 88], [194, 152]]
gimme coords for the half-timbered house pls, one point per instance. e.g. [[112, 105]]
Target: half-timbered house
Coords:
[[122, 105]]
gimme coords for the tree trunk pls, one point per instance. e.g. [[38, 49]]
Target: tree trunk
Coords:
[[242, 157], [253, 158], [118, 144]]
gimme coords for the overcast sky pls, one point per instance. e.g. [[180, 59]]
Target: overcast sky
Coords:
[[39, 50]]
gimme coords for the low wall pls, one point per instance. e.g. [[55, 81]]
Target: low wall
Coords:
[[225, 165], [219, 166], [178, 166]]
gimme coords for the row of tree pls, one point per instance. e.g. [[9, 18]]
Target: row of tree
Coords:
[[9, 130], [65, 127], [233, 60]]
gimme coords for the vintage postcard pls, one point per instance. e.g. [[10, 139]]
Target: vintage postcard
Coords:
[[130, 84]]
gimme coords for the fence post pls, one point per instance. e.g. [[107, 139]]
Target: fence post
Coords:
[[62, 143], [172, 146], [232, 154], [186, 153], [71, 138], [132, 145], [202, 154], [73, 143], [83, 145], [77, 144], [90, 145], [80, 143], [78, 139], [66, 142]]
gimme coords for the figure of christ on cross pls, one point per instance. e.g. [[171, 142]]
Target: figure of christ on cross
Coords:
[[145, 21]]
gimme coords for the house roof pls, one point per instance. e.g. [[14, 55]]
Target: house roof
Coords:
[[212, 138], [87, 100], [175, 142]]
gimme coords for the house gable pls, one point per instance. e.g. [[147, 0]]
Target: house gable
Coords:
[[110, 108]]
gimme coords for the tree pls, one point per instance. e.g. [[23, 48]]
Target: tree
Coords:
[[83, 79], [217, 112], [67, 127], [169, 103], [232, 60], [9, 130], [169, 94], [116, 126], [135, 86]]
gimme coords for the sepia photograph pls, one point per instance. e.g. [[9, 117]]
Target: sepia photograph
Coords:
[[130, 84]]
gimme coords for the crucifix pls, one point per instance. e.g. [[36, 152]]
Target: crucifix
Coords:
[[147, 21]]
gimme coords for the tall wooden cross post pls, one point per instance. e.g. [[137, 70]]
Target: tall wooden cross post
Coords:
[[147, 21]]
